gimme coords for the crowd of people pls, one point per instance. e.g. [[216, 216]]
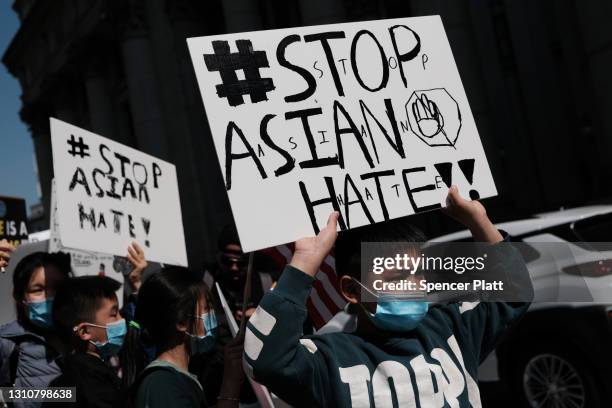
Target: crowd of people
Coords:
[[169, 345]]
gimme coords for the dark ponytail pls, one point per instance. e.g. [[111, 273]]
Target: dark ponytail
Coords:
[[133, 356], [166, 299]]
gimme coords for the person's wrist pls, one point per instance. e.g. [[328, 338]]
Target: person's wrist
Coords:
[[483, 230], [230, 388], [305, 264], [477, 221]]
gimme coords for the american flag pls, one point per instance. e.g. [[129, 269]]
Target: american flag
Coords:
[[325, 299]]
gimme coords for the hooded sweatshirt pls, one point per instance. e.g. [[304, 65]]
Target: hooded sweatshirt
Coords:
[[433, 365]]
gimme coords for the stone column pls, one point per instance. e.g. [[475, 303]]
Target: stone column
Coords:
[[65, 102], [242, 15], [322, 11], [192, 146], [142, 81], [99, 100], [39, 128], [505, 128]]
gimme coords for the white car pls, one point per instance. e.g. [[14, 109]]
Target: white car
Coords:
[[560, 353]]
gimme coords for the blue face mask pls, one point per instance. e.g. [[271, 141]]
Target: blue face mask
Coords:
[[115, 334], [394, 312], [39, 313], [206, 343]]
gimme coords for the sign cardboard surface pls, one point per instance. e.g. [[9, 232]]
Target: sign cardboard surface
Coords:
[[109, 195], [369, 118]]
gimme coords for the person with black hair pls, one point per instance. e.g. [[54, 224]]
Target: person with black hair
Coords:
[[175, 314], [29, 345], [397, 352], [87, 318], [230, 273]]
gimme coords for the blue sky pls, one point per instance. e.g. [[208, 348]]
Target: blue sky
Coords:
[[17, 150]]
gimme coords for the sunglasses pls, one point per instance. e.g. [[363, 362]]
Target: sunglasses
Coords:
[[228, 261]]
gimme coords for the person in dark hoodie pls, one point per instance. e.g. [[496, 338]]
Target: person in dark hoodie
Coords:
[[399, 353], [86, 315]]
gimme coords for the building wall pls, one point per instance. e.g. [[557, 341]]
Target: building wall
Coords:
[[536, 74]]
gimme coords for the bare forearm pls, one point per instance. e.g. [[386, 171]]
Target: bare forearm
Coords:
[[229, 396]]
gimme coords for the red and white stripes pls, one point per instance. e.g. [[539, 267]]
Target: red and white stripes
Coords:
[[325, 299]]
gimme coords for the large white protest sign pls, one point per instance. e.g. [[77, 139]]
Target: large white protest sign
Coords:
[[109, 195], [368, 118]]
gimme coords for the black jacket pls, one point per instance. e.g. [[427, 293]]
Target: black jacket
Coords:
[[97, 384]]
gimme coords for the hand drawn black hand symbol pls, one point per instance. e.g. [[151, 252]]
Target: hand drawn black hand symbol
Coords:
[[428, 116]]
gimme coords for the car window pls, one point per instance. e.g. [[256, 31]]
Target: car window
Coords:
[[595, 232]]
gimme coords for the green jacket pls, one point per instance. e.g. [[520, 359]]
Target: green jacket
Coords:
[[433, 365], [163, 385]]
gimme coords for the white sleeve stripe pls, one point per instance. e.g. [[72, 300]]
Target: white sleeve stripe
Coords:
[[309, 345], [263, 321], [248, 369], [465, 306], [252, 345]]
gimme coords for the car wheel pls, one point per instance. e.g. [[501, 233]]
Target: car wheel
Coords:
[[554, 378]]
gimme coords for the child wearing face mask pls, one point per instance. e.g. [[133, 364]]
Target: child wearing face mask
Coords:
[[174, 315], [29, 345], [393, 353], [86, 315]]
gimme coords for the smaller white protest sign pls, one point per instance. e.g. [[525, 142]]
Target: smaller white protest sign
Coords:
[[109, 195]]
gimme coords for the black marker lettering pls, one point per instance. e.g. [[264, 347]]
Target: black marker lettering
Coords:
[[304, 114], [407, 56], [102, 148], [282, 60], [290, 161], [79, 178], [94, 175], [324, 39], [156, 173], [359, 200], [383, 57], [376, 175], [351, 129], [331, 199], [230, 157], [124, 160], [411, 191]]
